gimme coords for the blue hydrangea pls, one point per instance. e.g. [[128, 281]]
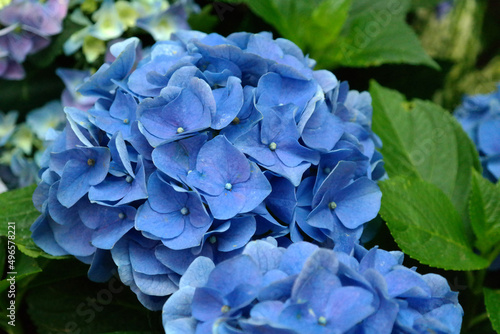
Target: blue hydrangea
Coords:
[[199, 145], [308, 289], [479, 116]]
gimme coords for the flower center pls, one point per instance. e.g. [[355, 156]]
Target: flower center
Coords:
[[228, 186], [272, 146], [121, 215], [91, 162], [236, 121], [185, 211], [225, 309], [327, 170], [332, 205], [125, 121], [129, 179], [212, 239], [180, 129], [322, 321]]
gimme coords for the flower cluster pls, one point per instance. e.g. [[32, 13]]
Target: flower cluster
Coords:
[[200, 146], [25, 28], [111, 19], [21, 145], [307, 289], [480, 118]]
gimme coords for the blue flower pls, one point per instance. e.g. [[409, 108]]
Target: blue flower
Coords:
[[228, 181], [479, 116], [177, 112], [72, 79], [307, 289], [275, 145], [175, 216], [50, 116], [79, 168]]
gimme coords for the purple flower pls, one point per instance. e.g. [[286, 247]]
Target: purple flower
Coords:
[[28, 27]]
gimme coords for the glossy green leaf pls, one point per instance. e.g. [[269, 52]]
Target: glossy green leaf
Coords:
[[492, 301], [426, 226], [376, 33], [17, 207], [320, 21], [422, 140], [484, 212]]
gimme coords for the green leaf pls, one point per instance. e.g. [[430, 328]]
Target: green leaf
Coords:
[[492, 301], [484, 212], [374, 34], [426, 226], [23, 265], [17, 207], [320, 21], [394, 44], [78, 305], [203, 21], [420, 139]]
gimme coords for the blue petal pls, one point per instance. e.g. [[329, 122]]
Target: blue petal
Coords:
[[229, 101], [362, 193], [239, 233], [197, 273], [154, 285], [176, 159], [143, 260], [295, 257], [267, 256], [43, 236], [233, 272], [162, 225]]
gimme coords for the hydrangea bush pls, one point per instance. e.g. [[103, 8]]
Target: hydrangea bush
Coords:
[[229, 183], [479, 116], [307, 289], [199, 146]]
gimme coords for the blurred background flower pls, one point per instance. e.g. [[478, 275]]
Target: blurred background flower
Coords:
[[25, 28]]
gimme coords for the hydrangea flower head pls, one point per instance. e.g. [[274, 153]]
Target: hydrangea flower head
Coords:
[[479, 116], [307, 289], [200, 145]]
